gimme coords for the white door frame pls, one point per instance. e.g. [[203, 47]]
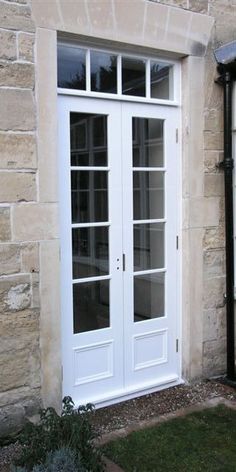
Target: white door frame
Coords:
[[104, 107]]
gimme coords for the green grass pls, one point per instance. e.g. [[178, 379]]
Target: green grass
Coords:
[[202, 441]]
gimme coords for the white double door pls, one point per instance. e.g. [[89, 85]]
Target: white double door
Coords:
[[118, 212]]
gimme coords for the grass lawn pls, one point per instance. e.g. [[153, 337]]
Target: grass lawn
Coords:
[[201, 441]]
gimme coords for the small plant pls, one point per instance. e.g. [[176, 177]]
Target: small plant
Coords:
[[69, 437], [61, 460]]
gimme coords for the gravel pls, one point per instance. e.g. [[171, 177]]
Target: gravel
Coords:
[[165, 401], [106, 420]]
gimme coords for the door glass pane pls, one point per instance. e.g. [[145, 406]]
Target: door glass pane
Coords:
[[90, 251], [148, 144], [133, 77], [91, 306], [71, 68], [161, 81], [89, 196], [88, 139], [148, 246], [103, 72], [149, 296], [148, 195]]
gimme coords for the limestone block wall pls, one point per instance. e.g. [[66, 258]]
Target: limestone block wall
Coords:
[[212, 188], [19, 245]]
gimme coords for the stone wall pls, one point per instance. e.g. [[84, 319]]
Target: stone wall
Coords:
[[19, 253], [214, 314], [25, 211]]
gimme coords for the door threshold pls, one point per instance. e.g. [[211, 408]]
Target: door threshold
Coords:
[[138, 391]]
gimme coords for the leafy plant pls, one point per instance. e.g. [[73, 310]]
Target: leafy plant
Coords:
[[71, 431], [61, 460]]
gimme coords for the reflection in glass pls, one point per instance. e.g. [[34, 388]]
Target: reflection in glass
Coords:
[[88, 137], [91, 306], [148, 195], [133, 77], [161, 83], [149, 296], [71, 68], [148, 144], [90, 251], [103, 72], [149, 246], [89, 196]]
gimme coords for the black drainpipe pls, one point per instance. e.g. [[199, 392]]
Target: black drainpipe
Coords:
[[226, 79]]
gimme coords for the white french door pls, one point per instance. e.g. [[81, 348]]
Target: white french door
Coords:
[[118, 207]]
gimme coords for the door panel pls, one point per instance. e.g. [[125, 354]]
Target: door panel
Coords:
[[91, 213], [149, 236], [118, 198]]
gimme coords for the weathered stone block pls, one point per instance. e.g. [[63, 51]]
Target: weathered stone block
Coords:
[[17, 186], [214, 120], [213, 185], [214, 324], [10, 259], [16, 75], [199, 6], [214, 238], [5, 224], [12, 420], [214, 357], [211, 159], [213, 141], [22, 404], [16, 17], [213, 292], [214, 263], [19, 330], [15, 293], [26, 46], [213, 93], [35, 222], [17, 110], [23, 2], [18, 151], [30, 257], [204, 212], [7, 45], [175, 3], [15, 368]]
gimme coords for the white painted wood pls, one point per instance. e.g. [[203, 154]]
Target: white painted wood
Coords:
[[168, 323], [108, 341], [127, 358]]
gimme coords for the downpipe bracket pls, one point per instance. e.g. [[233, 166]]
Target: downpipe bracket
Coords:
[[226, 164]]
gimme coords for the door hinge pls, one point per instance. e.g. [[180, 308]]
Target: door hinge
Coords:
[[177, 135], [177, 242], [62, 372], [177, 345], [123, 259]]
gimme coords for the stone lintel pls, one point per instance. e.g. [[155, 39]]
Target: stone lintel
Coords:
[[147, 24]]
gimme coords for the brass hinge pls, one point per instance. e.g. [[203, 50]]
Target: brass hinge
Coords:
[[177, 345]]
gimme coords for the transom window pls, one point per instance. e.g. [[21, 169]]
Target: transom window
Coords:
[[99, 72]]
